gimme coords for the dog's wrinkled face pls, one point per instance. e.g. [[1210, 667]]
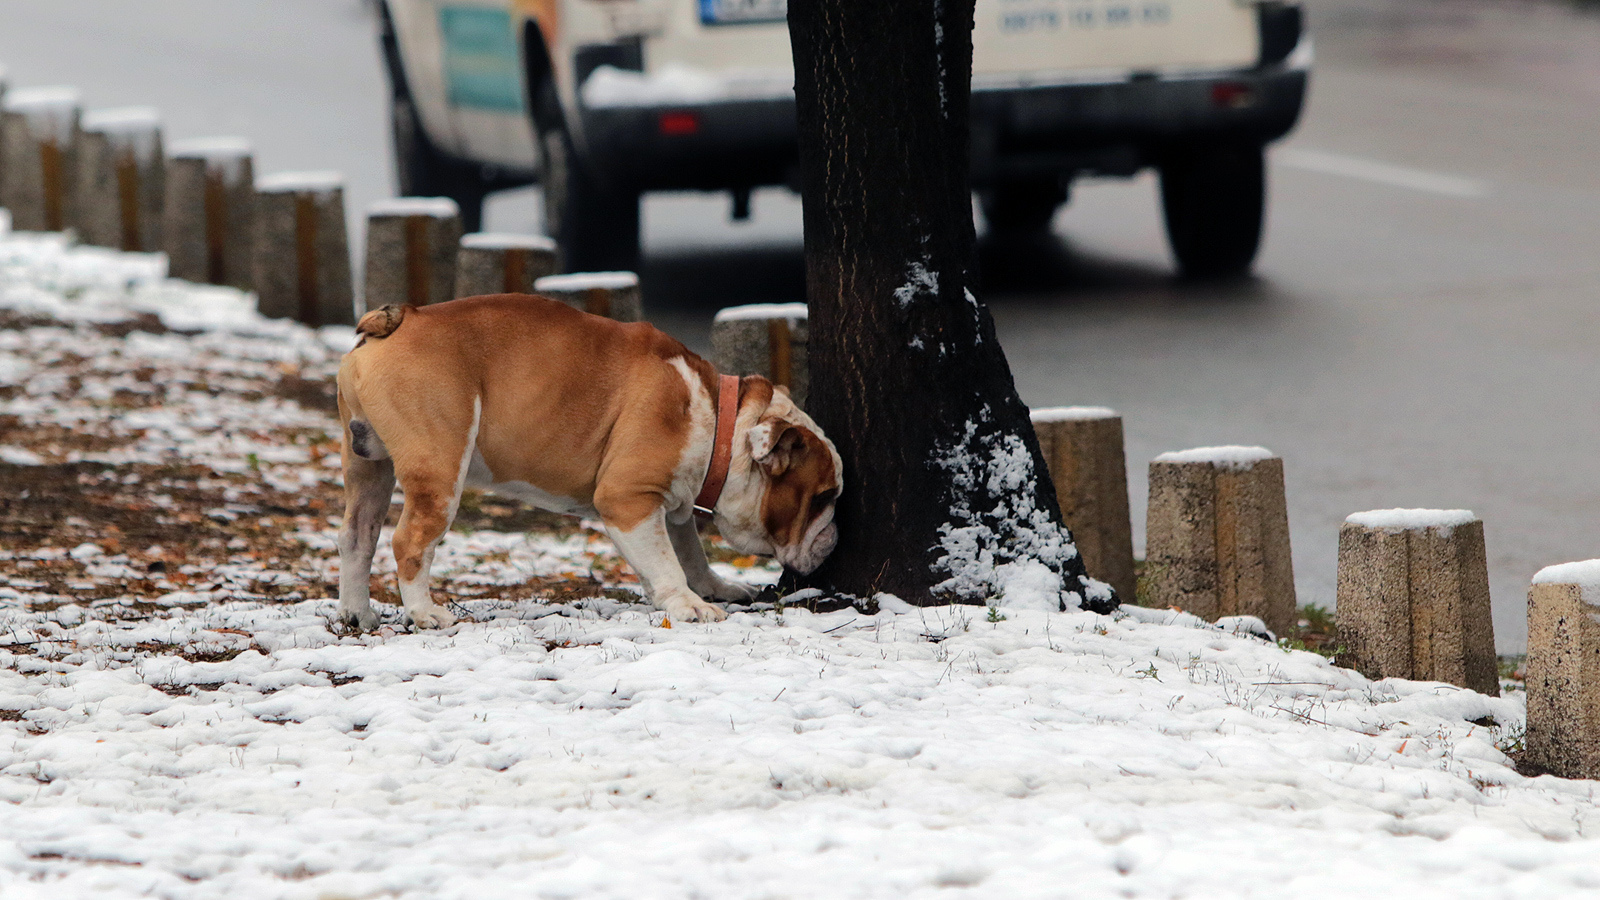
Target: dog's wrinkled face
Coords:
[[787, 488]]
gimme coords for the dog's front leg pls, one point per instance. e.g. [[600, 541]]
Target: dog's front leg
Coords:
[[648, 547], [692, 557]]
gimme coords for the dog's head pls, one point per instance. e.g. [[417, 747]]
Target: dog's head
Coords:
[[783, 482]]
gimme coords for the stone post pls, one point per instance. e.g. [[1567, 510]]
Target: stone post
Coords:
[[38, 140], [302, 252], [1083, 448], [503, 263], [614, 295], [764, 339], [1563, 670], [411, 251], [1413, 597], [121, 178], [1217, 536], [4, 86], [208, 216]]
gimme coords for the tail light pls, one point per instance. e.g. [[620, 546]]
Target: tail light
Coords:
[[678, 123]]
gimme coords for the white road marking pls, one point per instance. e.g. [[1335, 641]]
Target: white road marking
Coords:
[[1382, 173]]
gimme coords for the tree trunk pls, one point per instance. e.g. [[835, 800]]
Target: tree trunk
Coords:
[[946, 495]]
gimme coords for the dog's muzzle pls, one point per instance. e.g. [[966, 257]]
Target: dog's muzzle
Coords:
[[819, 541]]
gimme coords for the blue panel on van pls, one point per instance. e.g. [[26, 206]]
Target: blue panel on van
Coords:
[[480, 59]]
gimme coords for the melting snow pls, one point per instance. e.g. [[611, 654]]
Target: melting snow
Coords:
[[213, 740], [1441, 520]]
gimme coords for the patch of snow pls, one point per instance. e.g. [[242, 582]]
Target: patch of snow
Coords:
[[51, 111], [19, 456], [214, 150], [920, 281], [135, 129], [1585, 574], [587, 281], [1246, 625], [1230, 456], [753, 311], [405, 207], [1072, 413], [1440, 520], [299, 182], [1027, 584], [500, 240], [989, 549], [675, 84], [122, 119], [890, 603]]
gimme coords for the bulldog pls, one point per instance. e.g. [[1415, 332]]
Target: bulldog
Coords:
[[577, 414]]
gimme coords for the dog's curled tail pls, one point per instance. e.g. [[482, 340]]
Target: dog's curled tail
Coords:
[[380, 323]]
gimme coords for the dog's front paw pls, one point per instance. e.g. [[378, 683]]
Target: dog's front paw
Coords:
[[361, 618], [434, 616], [687, 607]]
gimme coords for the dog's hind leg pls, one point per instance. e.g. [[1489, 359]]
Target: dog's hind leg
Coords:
[[368, 485], [432, 472]]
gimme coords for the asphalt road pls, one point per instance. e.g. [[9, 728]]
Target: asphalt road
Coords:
[[1423, 326]]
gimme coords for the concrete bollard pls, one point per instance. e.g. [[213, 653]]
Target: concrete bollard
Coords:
[[411, 251], [765, 339], [1413, 597], [1217, 538], [302, 251], [1083, 449], [503, 263], [38, 139], [5, 85], [614, 295], [121, 178], [208, 214], [1563, 670]]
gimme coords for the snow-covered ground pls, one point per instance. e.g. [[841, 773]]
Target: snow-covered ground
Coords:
[[178, 718]]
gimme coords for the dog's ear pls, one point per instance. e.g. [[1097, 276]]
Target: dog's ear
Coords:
[[782, 389], [775, 445]]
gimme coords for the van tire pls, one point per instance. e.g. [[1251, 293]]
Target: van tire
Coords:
[[595, 225], [1214, 200], [422, 171]]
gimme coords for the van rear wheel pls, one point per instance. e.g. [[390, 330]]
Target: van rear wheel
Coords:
[[422, 171], [595, 225], [1214, 200]]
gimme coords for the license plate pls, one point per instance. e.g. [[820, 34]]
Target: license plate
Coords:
[[743, 12]]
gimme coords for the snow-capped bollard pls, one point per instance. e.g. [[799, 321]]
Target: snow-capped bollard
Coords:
[[1083, 449], [302, 251], [491, 263], [38, 138], [121, 178], [614, 295], [208, 214], [1217, 536], [1563, 670], [411, 251], [1413, 597], [764, 339]]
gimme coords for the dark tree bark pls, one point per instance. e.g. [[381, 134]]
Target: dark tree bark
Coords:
[[946, 494]]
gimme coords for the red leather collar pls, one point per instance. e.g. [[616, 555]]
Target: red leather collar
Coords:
[[722, 449]]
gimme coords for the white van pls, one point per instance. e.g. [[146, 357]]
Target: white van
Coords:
[[600, 101]]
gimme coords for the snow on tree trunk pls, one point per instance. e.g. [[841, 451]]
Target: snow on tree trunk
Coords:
[[946, 494]]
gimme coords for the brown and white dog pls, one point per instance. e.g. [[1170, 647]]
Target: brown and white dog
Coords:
[[578, 414]]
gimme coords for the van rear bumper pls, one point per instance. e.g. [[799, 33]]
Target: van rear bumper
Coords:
[[1018, 132]]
